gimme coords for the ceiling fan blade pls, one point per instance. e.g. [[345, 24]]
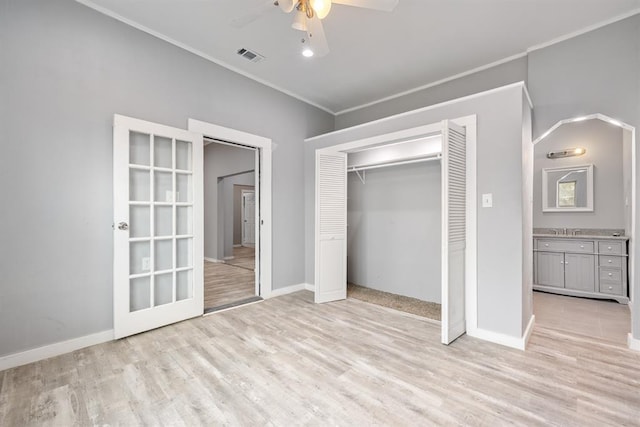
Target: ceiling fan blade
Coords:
[[316, 36], [382, 5], [257, 12]]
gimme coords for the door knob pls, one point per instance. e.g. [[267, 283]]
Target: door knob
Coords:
[[123, 226], [610, 274]]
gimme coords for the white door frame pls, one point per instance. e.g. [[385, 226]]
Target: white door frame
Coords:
[[242, 212], [263, 193], [634, 288], [471, 260]]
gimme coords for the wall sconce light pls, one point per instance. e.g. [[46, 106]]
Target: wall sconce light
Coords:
[[568, 152]]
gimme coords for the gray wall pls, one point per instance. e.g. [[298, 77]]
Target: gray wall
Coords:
[[597, 72], [603, 143], [219, 161], [228, 185], [394, 230], [66, 69], [500, 75], [499, 171]]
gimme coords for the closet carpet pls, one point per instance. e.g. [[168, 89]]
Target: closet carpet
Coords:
[[430, 310]]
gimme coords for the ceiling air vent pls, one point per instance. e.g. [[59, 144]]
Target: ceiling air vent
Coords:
[[250, 55]]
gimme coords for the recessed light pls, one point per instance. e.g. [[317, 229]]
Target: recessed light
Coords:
[[307, 52]]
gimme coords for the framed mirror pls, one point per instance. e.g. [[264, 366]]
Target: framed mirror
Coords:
[[567, 189]]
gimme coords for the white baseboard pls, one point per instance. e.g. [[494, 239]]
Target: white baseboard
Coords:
[[237, 246], [633, 343], [529, 330], [56, 349], [213, 259], [518, 343], [310, 287], [227, 258], [287, 290]]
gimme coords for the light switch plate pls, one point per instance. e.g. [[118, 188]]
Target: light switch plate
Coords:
[[487, 200]]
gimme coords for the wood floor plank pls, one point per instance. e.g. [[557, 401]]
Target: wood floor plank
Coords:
[[288, 361]]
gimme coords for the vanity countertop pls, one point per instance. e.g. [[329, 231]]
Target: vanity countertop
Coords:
[[582, 236]]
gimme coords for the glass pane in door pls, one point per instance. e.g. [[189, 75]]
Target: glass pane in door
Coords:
[[139, 257], [184, 285], [163, 289], [139, 293], [139, 185], [183, 155], [139, 221], [162, 152], [184, 255], [139, 149]]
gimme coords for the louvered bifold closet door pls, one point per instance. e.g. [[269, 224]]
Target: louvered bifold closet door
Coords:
[[454, 195], [331, 227]]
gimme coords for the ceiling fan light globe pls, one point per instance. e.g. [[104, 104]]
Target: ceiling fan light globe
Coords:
[[287, 5], [321, 7]]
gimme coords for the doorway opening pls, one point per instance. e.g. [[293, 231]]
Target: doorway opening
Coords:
[[261, 150], [584, 228], [230, 183]]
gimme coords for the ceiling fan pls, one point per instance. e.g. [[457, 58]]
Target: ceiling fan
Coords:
[[307, 18]]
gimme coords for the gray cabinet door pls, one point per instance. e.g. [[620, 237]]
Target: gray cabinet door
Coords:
[[579, 272], [550, 269]]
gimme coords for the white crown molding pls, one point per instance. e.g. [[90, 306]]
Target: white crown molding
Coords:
[[199, 53], [584, 30], [433, 84], [55, 349]]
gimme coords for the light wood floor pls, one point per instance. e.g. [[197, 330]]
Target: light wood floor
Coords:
[[288, 361], [601, 319], [244, 257], [225, 283]]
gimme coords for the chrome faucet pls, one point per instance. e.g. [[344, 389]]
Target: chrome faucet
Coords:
[[564, 231]]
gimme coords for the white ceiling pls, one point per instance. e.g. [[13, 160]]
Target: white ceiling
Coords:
[[373, 54]]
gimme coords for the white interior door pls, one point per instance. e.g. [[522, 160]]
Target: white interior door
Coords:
[[453, 231], [158, 225], [248, 218], [331, 227]]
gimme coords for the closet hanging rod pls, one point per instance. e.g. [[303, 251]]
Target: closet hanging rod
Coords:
[[404, 162]]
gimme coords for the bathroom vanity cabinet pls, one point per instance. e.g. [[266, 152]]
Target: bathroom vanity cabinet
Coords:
[[585, 266]]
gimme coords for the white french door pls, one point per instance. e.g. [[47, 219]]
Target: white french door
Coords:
[[158, 225], [454, 192], [331, 227]]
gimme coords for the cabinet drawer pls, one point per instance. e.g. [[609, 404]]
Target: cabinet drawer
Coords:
[[612, 288], [566, 246], [611, 275], [610, 261], [611, 248]]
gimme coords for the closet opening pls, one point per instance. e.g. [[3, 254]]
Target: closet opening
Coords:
[[394, 231], [394, 214]]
